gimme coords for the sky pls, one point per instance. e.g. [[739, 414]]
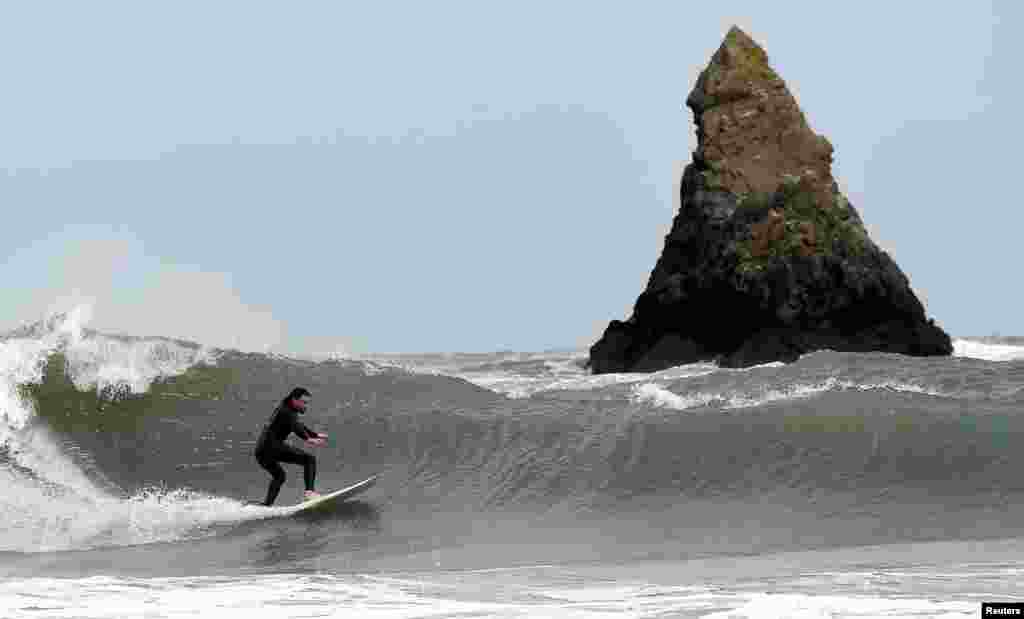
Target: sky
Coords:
[[385, 177]]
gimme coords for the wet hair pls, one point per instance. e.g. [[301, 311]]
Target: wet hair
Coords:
[[295, 394]]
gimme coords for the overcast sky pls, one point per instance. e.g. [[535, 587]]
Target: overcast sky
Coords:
[[471, 176]]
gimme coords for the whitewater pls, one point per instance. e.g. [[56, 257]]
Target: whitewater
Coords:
[[512, 484]]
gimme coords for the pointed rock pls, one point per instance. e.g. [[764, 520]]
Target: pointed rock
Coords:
[[766, 259]]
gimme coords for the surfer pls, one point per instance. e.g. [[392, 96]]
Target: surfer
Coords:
[[271, 449]]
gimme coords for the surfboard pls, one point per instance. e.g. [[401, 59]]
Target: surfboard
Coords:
[[332, 498]]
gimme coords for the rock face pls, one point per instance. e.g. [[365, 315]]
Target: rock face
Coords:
[[766, 259]]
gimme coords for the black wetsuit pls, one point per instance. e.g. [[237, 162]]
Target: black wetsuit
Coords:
[[271, 449]]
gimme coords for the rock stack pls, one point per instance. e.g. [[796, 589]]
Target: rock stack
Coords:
[[766, 259]]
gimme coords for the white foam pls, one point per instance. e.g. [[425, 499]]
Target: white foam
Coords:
[[158, 515], [799, 606], [568, 375], [93, 362], [562, 371], [662, 397], [48, 502], [100, 362], [385, 597], [898, 386], [659, 395], [987, 352], [41, 520]]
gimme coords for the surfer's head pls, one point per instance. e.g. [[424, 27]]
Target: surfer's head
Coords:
[[298, 398]]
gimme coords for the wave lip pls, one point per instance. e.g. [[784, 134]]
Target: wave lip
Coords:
[[92, 360]]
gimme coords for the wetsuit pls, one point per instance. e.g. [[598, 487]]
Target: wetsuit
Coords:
[[271, 449]]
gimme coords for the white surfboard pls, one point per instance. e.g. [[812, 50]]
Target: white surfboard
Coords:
[[326, 500]]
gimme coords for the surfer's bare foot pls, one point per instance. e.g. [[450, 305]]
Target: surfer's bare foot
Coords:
[[310, 494]]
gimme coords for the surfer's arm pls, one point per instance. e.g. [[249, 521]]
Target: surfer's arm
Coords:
[[316, 439], [311, 434], [307, 434], [300, 428]]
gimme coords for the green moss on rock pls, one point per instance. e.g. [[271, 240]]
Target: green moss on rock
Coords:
[[713, 180], [755, 201], [739, 64], [835, 230], [743, 55], [751, 61]]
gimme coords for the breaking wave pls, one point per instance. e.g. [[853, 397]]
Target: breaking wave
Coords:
[[50, 502]]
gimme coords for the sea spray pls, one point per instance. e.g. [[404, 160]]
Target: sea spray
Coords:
[[49, 501]]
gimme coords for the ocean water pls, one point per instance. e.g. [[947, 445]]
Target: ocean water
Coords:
[[511, 484]]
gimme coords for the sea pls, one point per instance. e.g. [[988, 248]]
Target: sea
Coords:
[[511, 484]]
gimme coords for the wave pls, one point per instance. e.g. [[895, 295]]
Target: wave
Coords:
[[45, 520], [524, 375], [108, 364], [860, 448], [537, 591], [660, 396], [530, 375], [988, 350], [51, 502]]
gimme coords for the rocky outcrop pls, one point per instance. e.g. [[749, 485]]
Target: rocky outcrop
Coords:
[[766, 259]]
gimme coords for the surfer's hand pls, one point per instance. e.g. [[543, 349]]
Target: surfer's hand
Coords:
[[319, 441]]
